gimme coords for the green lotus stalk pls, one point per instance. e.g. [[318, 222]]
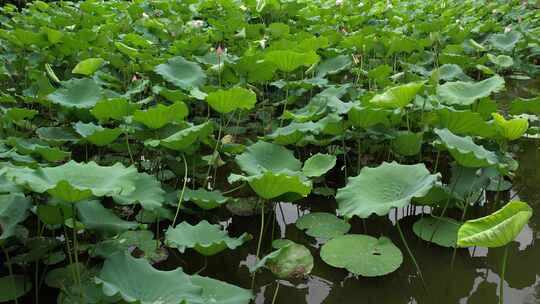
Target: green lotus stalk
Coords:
[[259, 243], [503, 271], [181, 198], [409, 251]]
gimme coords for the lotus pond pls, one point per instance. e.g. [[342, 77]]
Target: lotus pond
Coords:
[[269, 151]]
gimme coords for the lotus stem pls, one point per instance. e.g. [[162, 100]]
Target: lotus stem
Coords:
[[286, 100], [418, 270], [503, 270], [9, 266], [259, 243], [275, 293], [76, 252], [181, 198], [129, 149]]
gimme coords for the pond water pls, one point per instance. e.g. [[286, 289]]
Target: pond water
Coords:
[[473, 279]]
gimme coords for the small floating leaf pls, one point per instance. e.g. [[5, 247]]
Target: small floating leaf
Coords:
[[322, 225]]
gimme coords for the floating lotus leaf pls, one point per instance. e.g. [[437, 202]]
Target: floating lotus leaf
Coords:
[[288, 61], [506, 41], [496, 229], [13, 210], [205, 199], [322, 225], [318, 164], [465, 151], [13, 287], [114, 108], [160, 115], [262, 156], [407, 143], [366, 117], [397, 97], [334, 65], [184, 139], [88, 66], [439, 230], [466, 93], [148, 193], [510, 129], [77, 93], [378, 190], [37, 147], [98, 218], [502, 61], [218, 292], [96, 134], [205, 238], [362, 254], [289, 261], [270, 185], [140, 240], [465, 123], [225, 101], [136, 281], [99, 180], [182, 73], [57, 134]]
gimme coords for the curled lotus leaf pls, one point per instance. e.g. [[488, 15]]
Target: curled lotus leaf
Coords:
[[13, 210], [365, 117], [318, 164], [88, 66], [269, 185], [294, 133], [113, 108], [158, 116], [98, 218], [184, 139], [503, 61], [288, 61], [334, 65], [510, 129], [322, 225], [505, 41], [205, 199], [290, 260], [205, 238], [466, 93], [408, 143], [378, 190], [439, 230], [225, 101], [148, 193], [263, 156], [182, 73], [465, 123], [397, 97], [97, 134], [465, 151]]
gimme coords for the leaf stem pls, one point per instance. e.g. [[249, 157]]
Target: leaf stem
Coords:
[[418, 270], [181, 198], [503, 270]]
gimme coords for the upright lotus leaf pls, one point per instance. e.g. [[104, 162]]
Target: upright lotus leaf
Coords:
[[397, 97], [378, 190], [66, 192], [225, 101], [263, 156], [98, 218], [160, 115], [466, 93], [366, 117], [88, 66], [288, 61], [113, 108], [81, 93], [322, 225], [407, 143], [148, 193], [219, 292], [18, 114], [439, 230], [269, 185], [99, 180], [182, 73], [97, 134], [294, 133], [13, 287], [496, 229], [465, 123], [205, 238], [510, 129], [57, 135], [502, 61], [289, 261], [32, 146], [362, 254], [318, 164], [13, 210], [184, 139], [465, 151], [205, 199], [525, 106], [506, 41], [140, 241], [334, 65], [136, 281]]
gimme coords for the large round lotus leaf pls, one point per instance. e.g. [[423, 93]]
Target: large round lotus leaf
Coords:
[[466, 93], [142, 240], [506, 41], [288, 61], [263, 156], [218, 292], [13, 287], [137, 281], [225, 101], [397, 97], [205, 238], [160, 115], [99, 180], [496, 229], [362, 254], [439, 230], [465, 123], [333, 65], [407, 143], [148, 193], [184, 139], [77, 93], [114, 108], [289, 261], [510, 129], [182, 73], [322, 225], [88, 66], [13, 210], [96, 134], [503, 61], [270, 185], [205, 199], [465, 151], [318, 164], [98, 218], [378, 190], [366, 117]]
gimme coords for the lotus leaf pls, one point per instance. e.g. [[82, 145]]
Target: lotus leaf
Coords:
[[439, 230], [465, 123], [88, 66], [78, 93], [182, 73], [318, 164], [218, 292], [496, 229], [378, 190], [140, 240], [184, 139], [288, 61], [397, 97], [96, 217], [114, 108], [333, 65], [502, 61], [37, 147], [90, 292], [506, 41], [205, 238], [13, 287], [148, 193], [510, 129], [270, 185], [407, 143], [160, 115], [366, 117], [362, 254], [13, 210], [97, 134], [294, 133], [465, 151], [289, 261], [205, 199], [322, 225], [466, 93], [262, 156], [57, 134], [18, 114], [225, 101]]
